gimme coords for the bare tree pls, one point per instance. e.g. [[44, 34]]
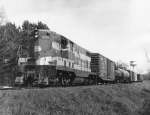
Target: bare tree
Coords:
[[2, 16], [147, 56], [147, 75], [122, 65]]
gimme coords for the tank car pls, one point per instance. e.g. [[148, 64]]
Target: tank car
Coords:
[[133, 76], [139, 77], [122, 76]]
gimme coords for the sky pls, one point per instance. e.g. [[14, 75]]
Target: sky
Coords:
[[117, 29]]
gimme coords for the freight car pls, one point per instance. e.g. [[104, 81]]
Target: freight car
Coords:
[[127, 76], [139, 77], [103, 67], [122, 76], [134, 77], [54, 59]]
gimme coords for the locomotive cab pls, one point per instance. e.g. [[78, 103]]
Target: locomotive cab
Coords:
[[19, 81]]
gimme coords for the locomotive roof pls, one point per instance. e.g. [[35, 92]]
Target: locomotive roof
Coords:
[[59, 37]]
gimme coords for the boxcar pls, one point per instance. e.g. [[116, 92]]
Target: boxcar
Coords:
[[110, 70], [103, 67]]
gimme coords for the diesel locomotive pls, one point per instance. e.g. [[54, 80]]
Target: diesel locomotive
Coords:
[[55, 60]]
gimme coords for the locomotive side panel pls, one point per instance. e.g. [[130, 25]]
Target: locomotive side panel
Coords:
[[62, 49], [64, 54]]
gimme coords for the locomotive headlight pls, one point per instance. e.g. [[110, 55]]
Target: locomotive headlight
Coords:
[[37, 48], [36, 36], [36, 33]]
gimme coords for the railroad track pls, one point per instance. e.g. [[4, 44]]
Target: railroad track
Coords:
[[74, 85]]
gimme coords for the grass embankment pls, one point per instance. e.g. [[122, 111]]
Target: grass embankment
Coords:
[[120, 99]]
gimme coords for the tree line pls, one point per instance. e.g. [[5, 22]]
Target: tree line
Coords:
[[11, 37]]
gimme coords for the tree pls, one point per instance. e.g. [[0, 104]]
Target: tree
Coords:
[[9, 35], [2, 16], [11, 38], [121, 64], [41, 25], [27, 35], [28, 26]]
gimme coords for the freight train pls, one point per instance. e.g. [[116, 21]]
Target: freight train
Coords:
[[55, 60]]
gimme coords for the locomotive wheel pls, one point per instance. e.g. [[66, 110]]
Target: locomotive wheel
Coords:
[[65, 81]]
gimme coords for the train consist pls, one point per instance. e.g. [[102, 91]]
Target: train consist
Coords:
[[55, 60]]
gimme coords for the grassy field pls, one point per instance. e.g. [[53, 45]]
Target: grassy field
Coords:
[[118, 99]]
